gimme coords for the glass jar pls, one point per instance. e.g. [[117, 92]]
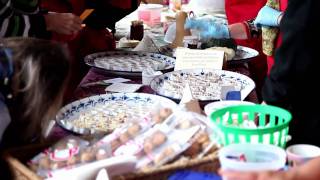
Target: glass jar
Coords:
[[136, 30]]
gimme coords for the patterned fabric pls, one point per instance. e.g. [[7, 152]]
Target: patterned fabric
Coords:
[[18, 18], [269, 34]]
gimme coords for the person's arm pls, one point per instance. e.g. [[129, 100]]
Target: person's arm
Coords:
[[21, 18], [244, 30], [211, 29], [63, 23], [295, 60]]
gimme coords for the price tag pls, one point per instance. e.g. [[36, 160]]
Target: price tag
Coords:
[[198, 59]]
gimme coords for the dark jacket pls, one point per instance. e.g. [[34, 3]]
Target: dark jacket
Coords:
[[295, 74]]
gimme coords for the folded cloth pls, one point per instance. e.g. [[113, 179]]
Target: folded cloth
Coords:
[[147, 45]]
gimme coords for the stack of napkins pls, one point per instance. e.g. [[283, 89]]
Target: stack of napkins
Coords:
[[148, 75], [118, 85], [123, 88]]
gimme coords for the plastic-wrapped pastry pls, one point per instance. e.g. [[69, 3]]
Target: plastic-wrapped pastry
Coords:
[[168, 152], [124, 137], [134, 129], [73, 161], [87, 156], [157, 118], [165, 112], [148, 146], [101, 154], [44, 163], [158, 138]]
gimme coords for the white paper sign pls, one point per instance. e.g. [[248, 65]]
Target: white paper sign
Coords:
[[198, 59]]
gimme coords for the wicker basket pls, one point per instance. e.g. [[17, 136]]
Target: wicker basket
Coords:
[[17, 158]]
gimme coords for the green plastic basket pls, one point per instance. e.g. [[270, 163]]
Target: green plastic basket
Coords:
[[272, 124]]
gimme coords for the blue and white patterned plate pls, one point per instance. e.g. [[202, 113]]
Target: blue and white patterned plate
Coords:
[[129, 63], [205, 84], [111, 106]]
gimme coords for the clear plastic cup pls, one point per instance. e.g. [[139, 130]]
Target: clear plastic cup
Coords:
[[252, 157], [301, 153]]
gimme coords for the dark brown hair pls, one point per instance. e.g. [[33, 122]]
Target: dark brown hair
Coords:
[[40, 72]]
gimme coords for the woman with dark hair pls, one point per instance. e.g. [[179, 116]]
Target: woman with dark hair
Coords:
[[33, 74]]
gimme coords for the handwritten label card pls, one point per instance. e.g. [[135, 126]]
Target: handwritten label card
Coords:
[[198, 59]]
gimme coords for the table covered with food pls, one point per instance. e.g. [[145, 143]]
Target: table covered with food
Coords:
[[134, 116]]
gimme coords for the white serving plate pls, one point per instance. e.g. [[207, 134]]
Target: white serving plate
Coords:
[[70, 113], [244, 84], [129, 63]]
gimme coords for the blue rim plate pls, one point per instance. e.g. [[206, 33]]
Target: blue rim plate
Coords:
[[72, 111], [245, 83], [114, 55]]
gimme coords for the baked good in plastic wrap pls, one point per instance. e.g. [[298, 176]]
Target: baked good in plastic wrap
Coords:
[[68, 153], [122, 140], [204, 141], [164, 143]]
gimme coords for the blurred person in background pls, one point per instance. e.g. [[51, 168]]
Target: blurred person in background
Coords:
[[292, 79], [96, 36], [19, 18], [238, 12], [268, 18], [245, 20], [291, 85], [33, 76]]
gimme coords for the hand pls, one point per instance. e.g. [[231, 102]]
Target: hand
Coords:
[[63, 23], [208, 28], [268, 16]]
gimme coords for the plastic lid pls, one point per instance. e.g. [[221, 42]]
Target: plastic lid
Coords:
[[150, 6], [259, 157]]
